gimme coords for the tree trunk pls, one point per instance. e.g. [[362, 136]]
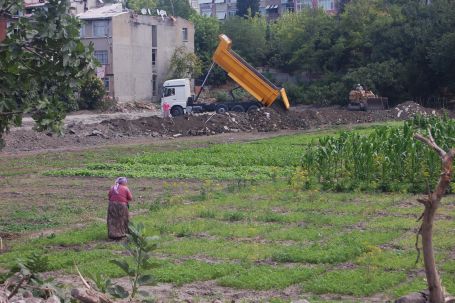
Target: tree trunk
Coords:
[[431, 204]]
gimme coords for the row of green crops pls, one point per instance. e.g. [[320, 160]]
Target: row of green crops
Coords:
[[259, 160], [388, 159], [385, 158]]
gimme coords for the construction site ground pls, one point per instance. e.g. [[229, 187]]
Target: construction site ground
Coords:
[[145, 124]]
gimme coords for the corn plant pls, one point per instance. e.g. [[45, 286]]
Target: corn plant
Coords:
[[388, 159]]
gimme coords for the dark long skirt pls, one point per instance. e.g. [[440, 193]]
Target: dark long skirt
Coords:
[[117, 220]]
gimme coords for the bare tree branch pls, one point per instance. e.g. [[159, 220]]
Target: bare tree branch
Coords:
[[431, 143]]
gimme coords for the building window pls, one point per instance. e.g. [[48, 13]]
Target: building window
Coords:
[[154, 36], [102, 57], [100, 28], [106, 83], [154, 85], [154, 56], [185, 34]]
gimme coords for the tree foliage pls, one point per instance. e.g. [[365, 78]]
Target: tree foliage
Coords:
[[184, 64], [42, 63], [401, 49], [178, 8], [249, 37], [206, 34]]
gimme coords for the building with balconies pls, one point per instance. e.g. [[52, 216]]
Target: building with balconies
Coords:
[[134, 50]]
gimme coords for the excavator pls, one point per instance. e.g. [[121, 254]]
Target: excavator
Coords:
[[177, 92], [361, 99]]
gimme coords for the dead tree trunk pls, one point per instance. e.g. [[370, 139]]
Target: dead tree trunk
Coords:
[[431, 204]]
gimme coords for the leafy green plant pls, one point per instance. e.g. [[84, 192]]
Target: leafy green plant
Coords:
[[163, 200], [37, 262], [207, 213], [299, 180], [139, 247], [388, 159], [92, 93], [25, 276], [102, 282], [234, 216]]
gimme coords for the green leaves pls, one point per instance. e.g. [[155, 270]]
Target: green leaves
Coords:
[[388, 159], [139, 247], [45, 62], [184, 64], [146, 280], [124, 266], [118, 291]]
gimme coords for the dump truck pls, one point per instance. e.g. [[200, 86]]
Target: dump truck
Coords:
[[361, 99], [177, 92]]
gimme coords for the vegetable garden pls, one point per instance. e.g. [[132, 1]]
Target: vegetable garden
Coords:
[[263, 220], [386, 158]]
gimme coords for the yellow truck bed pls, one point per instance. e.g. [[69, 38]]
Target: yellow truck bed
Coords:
[[247, 76]]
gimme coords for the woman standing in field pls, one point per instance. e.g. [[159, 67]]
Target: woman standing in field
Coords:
[[117, 212]]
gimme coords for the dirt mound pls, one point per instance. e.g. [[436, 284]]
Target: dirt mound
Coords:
[[410, 109], [117, 130], [205, 124]]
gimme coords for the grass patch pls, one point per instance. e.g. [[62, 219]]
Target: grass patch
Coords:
[[362, 282], [192, 270], [267, 277]]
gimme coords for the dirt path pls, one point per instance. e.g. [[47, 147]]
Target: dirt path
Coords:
[[91, 118]]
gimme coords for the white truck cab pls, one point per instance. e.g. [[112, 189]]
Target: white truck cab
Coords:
[[176, 93]]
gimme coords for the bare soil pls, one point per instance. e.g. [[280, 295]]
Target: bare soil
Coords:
[[116, 128]]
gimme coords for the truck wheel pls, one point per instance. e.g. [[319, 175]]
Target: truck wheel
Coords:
[[253, 108], [176, 111], [238, 108], [221, 109]]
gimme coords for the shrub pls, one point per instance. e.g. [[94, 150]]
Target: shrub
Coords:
[[222, 96], [92, 93]]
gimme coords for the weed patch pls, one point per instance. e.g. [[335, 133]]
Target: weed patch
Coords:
[[361, 282]]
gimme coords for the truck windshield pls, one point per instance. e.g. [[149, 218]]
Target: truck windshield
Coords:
[[168, 91]]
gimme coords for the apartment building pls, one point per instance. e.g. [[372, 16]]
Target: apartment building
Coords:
[[329, 6], [134, 50], [220, 9], [271, 9]]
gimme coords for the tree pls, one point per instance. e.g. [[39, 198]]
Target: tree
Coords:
[[137, 5], [305, 41], [206, 34], [184, 64], [248, 38], [42, 63], [431, 204], [248, 8], [178, 8]]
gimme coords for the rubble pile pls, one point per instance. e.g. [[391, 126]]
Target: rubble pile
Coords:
[[117, 130], [409, 109]]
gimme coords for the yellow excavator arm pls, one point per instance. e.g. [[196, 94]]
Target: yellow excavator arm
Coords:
[[247, 76]]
